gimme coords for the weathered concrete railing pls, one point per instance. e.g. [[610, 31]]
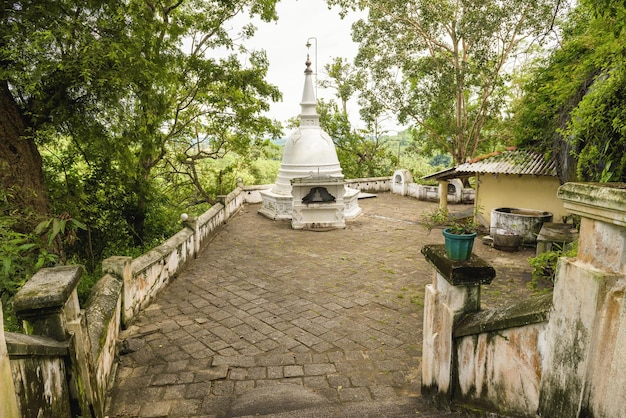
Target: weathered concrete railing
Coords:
[[558, 355], [583, 369], [8, 400], [51, 367], [64, 367], [145, 275], [370, 184]]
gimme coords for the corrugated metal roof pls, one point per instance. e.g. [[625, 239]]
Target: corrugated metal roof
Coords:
[[511, 162], [501, 162]]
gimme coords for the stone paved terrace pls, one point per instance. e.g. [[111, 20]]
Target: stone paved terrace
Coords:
[[270, 321]]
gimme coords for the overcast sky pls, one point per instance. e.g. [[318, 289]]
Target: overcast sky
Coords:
[[285, 44]]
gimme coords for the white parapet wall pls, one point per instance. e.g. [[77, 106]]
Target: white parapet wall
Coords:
[[402, 184]]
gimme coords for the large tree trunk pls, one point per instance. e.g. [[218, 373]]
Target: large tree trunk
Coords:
[[21, 174]]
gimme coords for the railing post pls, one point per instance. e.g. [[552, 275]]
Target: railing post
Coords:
[[585, 350], [8, 402], [48, 306], [121, 267], [455, 291], [192, 223]]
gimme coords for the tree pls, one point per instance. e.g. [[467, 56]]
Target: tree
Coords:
[[443, 65], [106, 90], [573, 107], [361, 152], [344, 79]]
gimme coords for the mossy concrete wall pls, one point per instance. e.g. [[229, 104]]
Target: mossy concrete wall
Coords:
[[8, 401], [38, 368], [489, 358], [454, 291], [103, 312], [583, 371], [499, 354]]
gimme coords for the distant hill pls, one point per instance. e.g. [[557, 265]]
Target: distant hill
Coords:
[[280, 141]]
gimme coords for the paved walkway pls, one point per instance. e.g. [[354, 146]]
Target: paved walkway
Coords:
[[277, 322]]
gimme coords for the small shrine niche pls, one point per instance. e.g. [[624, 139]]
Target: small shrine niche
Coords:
[[318, 195], [318, 202]]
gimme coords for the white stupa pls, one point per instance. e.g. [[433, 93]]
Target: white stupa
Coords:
[[309, 151]]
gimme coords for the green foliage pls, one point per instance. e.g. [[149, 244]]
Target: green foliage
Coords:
[[60, 226], [361, 153], [21, 255], [440, 218], [544, 265], [573, 106]]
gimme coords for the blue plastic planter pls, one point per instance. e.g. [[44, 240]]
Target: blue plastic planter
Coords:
[[458, 247]]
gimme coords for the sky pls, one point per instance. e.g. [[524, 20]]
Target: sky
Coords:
[[301, 21]]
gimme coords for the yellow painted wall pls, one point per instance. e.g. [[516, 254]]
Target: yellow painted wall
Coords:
[[515, 191]]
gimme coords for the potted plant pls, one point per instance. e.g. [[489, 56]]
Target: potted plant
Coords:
[[459, 234]]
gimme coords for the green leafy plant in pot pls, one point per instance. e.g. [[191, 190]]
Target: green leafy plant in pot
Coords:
[[458, 234]]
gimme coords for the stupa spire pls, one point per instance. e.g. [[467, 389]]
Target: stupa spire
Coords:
[[308, 114]]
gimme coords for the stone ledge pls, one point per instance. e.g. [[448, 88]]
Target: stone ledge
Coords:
[[531, 311], [474, 271], [100, 309], [48, 289], [22, 345], [600, 201]]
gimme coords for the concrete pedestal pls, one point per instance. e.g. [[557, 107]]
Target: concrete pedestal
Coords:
[[455, 290]]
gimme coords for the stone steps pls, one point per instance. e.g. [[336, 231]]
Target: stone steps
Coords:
[[294, 401]]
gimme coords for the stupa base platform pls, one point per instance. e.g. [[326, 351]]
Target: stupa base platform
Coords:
[[276, 206], [280, 207]]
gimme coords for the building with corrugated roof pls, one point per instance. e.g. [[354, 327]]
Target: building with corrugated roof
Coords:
[[513, 179]]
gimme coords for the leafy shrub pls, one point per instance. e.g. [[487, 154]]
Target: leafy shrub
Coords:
[[544, 265], [21, 255]]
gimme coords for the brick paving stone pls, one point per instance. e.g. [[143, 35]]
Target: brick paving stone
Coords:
[[198, 390], [275, 372], [339, 313], [185, 377], [354, 395], [243, 386], [238, 374], [164, 379], [256, 373], [212, 405], [336, 356], [293, 371], [319, 369], [175, 392], [156, 409], [338, 381], [185, 407], [213, 373], [315, 382], [223, 387]]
